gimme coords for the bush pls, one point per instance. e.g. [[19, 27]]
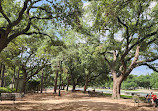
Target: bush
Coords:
[[12, 89], [4, 90]]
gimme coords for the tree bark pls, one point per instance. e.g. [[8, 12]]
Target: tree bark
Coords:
[[3, 40], [73, 82], [117, 81], [73, 87], [13, 79], [63, 85], [25, 79], [42, 82], [0, 73], [17, 83], [3, 71], [86, 83], [67, 88], [55, 82]]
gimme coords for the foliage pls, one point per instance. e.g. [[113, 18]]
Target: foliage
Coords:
[[144, 81], [84, 44], [5, 90], [33, 85]]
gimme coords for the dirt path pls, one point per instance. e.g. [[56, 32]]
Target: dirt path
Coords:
[[71, 102]]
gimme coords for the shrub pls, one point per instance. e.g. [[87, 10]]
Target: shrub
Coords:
[[12, 89], [4, 90]]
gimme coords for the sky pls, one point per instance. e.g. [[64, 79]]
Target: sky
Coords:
[[142, 70]]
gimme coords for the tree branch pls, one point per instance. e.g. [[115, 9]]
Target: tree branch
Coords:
[[46, 18], [94, 77], [152, 41], [142, 39], [11, 37], [39, 69], [133, 64], [150, 66], [148, 60], [139, 12], [31, 33], [4, 15], [139, 41], [42, 9], [21, 13]]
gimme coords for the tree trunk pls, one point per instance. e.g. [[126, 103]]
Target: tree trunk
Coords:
[[17, 83], [63, 85], [73, 83], [42, 82], [116, 87], [0, 73], [55, 82], [25, 79], [24, 84], [67, 88], [3, 71], [73, 87], [13, 79], [86, 84], [3, 40]]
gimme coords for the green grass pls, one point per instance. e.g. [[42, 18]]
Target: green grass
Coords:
[[125, 96], [107, 94]]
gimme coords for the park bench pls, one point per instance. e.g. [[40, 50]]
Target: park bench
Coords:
[[7, 96]]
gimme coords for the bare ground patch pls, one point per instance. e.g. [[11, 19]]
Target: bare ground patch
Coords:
[[69, 101]]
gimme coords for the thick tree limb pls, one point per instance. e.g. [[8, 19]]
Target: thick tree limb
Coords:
[[148, 60], [127, 45], [152, 41], [20, 32], [136, 55], [134, 62], [150, 66], [36, 72]]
